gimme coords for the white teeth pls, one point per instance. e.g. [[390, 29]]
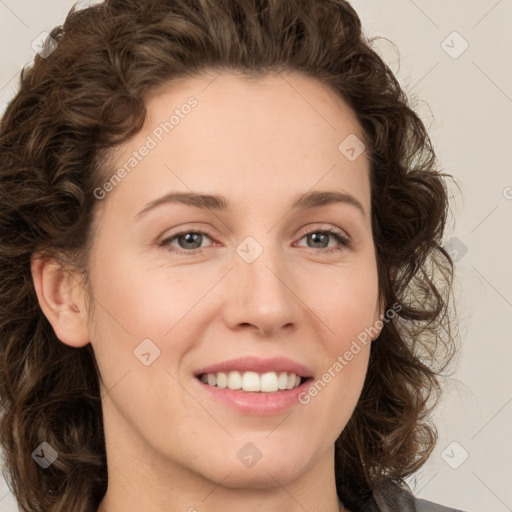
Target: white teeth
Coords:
[[222, 380], [282, 380], [291, 381], [250, 381], [234, 380], [267, 382]]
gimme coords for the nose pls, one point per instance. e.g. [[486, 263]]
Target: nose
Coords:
[[262, 296]]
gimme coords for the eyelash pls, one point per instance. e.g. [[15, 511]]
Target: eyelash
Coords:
[[343, 241]]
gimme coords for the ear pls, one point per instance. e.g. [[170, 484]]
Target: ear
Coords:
[[62, 299]]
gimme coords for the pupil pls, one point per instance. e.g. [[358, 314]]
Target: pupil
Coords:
[[317, 236], [191, 237]]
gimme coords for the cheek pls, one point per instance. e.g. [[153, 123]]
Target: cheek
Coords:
[[346, 301], [145, 303], [134, 305]]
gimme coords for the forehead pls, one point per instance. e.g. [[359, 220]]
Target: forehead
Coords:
[[256, 137], [257, 109]]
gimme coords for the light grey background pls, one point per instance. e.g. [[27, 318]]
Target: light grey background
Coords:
[[466, 101]]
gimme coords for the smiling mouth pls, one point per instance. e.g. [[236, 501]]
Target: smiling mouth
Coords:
[[249, 381]]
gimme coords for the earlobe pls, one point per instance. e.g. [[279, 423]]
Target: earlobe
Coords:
[[61, 298]]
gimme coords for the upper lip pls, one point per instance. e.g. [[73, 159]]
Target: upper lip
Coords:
[[257, 364]]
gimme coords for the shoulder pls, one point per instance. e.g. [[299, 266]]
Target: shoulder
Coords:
[[397, 498], [428, 506]]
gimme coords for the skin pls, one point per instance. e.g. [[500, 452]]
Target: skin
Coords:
[[260, 143]]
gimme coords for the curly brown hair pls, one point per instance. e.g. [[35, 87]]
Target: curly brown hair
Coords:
[[88, 96]]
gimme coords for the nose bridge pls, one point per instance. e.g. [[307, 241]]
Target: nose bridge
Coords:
[[263, 296], [261, 266]]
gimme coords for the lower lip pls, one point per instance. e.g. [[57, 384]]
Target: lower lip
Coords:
[[258, 403]]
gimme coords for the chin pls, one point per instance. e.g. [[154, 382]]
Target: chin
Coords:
[[262, 471], [259, 476]]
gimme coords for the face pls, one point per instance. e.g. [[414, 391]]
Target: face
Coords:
[[182, 284]]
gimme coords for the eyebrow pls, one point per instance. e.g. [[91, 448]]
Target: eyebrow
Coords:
[[215, 202]]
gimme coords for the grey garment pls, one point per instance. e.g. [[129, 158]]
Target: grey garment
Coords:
[[400, 499], [428, 506]]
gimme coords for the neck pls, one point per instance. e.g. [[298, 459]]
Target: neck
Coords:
[[141, 480]]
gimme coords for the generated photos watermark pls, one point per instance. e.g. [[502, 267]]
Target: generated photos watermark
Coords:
[[343, 360], [151, 142]]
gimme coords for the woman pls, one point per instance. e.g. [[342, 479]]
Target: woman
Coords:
[[223, 285]]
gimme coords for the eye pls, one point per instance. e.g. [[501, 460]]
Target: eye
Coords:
[[321, 237], [188, 240]]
